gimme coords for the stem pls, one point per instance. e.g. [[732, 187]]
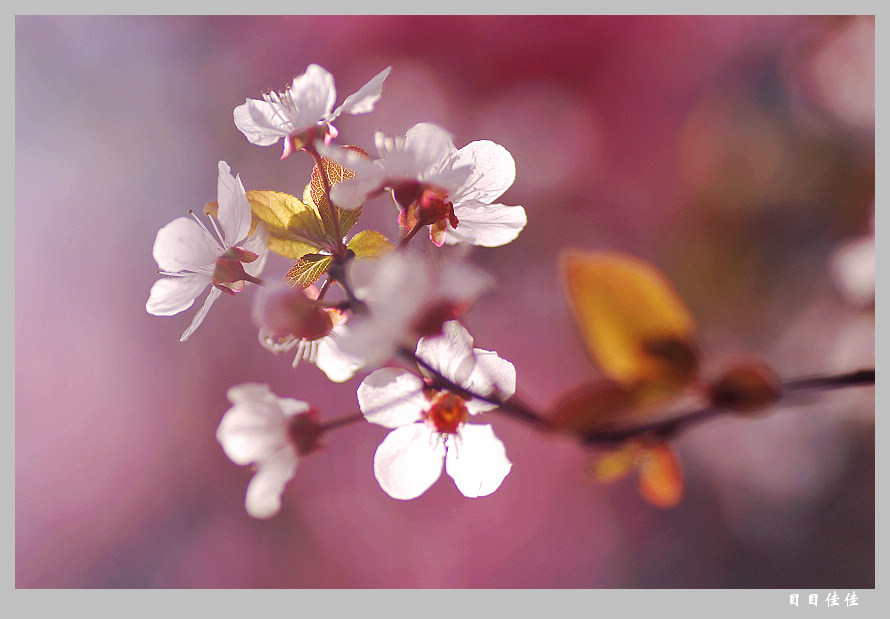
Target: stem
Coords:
[[333, 212], [342, 421], [853, 379], [512, 406], [411, 233]]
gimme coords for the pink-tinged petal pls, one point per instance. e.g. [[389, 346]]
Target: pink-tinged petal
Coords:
[[256, 243], [391, 398], [313, 95], [477, 461], [183, 245], [450, 354], [490, 374], [486, 225], [254, 427], [363, 100], [352, 193], [234, 212], [212, 296], [172, 295], [409, 461], [262, 123], [430, 146], [264, 491], [493, 171], [462, 281]]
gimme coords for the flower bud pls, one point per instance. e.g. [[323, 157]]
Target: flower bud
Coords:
[[284, 311], [746, 388]]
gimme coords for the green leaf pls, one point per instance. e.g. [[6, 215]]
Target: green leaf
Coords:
[[307, 270], [369, 243]]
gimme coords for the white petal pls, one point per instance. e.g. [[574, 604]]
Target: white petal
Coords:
[[262, 123], [332, 360], [255, 426], [313, 95], [408, 461], [450, 354], [234, 209], [391, 397], [263, 498], [461, 281], [363, 100], [852, 268], [183, 245], [493, 171], [171, 295], [489, 374], [430, 146], [486, 225], [352, 193], [477, 461], [257, 243], [212, 296]]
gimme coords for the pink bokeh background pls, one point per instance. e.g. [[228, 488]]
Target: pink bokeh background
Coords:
[[735, 153]]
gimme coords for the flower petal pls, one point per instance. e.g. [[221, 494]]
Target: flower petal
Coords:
[[493, 171], [430, 147], [202, 313], [486, 225], [477, 462], [409, 461], [313, 95], [332, 360], [183, 245], [363, 100], [263, 499], [171, 295], [234, 212], [490, 373], [450, 354], [254, 427], [261, 122], [391, 397]]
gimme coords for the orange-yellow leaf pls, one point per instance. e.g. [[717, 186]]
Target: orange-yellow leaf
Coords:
[[632, 322], [660, 479], [616, 464]]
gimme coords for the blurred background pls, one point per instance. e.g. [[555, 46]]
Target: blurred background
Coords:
[[735, 153]]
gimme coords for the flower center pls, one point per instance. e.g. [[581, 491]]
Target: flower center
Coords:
[[229, 274], [429, 322], [447, 413]]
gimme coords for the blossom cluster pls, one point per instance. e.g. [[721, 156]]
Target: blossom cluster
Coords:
[[397, 320]]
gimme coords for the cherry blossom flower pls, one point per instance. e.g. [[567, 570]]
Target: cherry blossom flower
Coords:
[[403, 297], [321, 349], [452, 191], [192, 257], [303, 111], [271, 433], [430, 424]]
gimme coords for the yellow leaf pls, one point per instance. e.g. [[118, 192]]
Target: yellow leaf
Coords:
[[369, 243], [660, 479], [307, 270], [632, 322], [286, 212]]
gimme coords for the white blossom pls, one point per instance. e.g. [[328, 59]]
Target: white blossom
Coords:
[[254, 431], [192, 258], [453, 190], [302, 109], [430, 424]]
